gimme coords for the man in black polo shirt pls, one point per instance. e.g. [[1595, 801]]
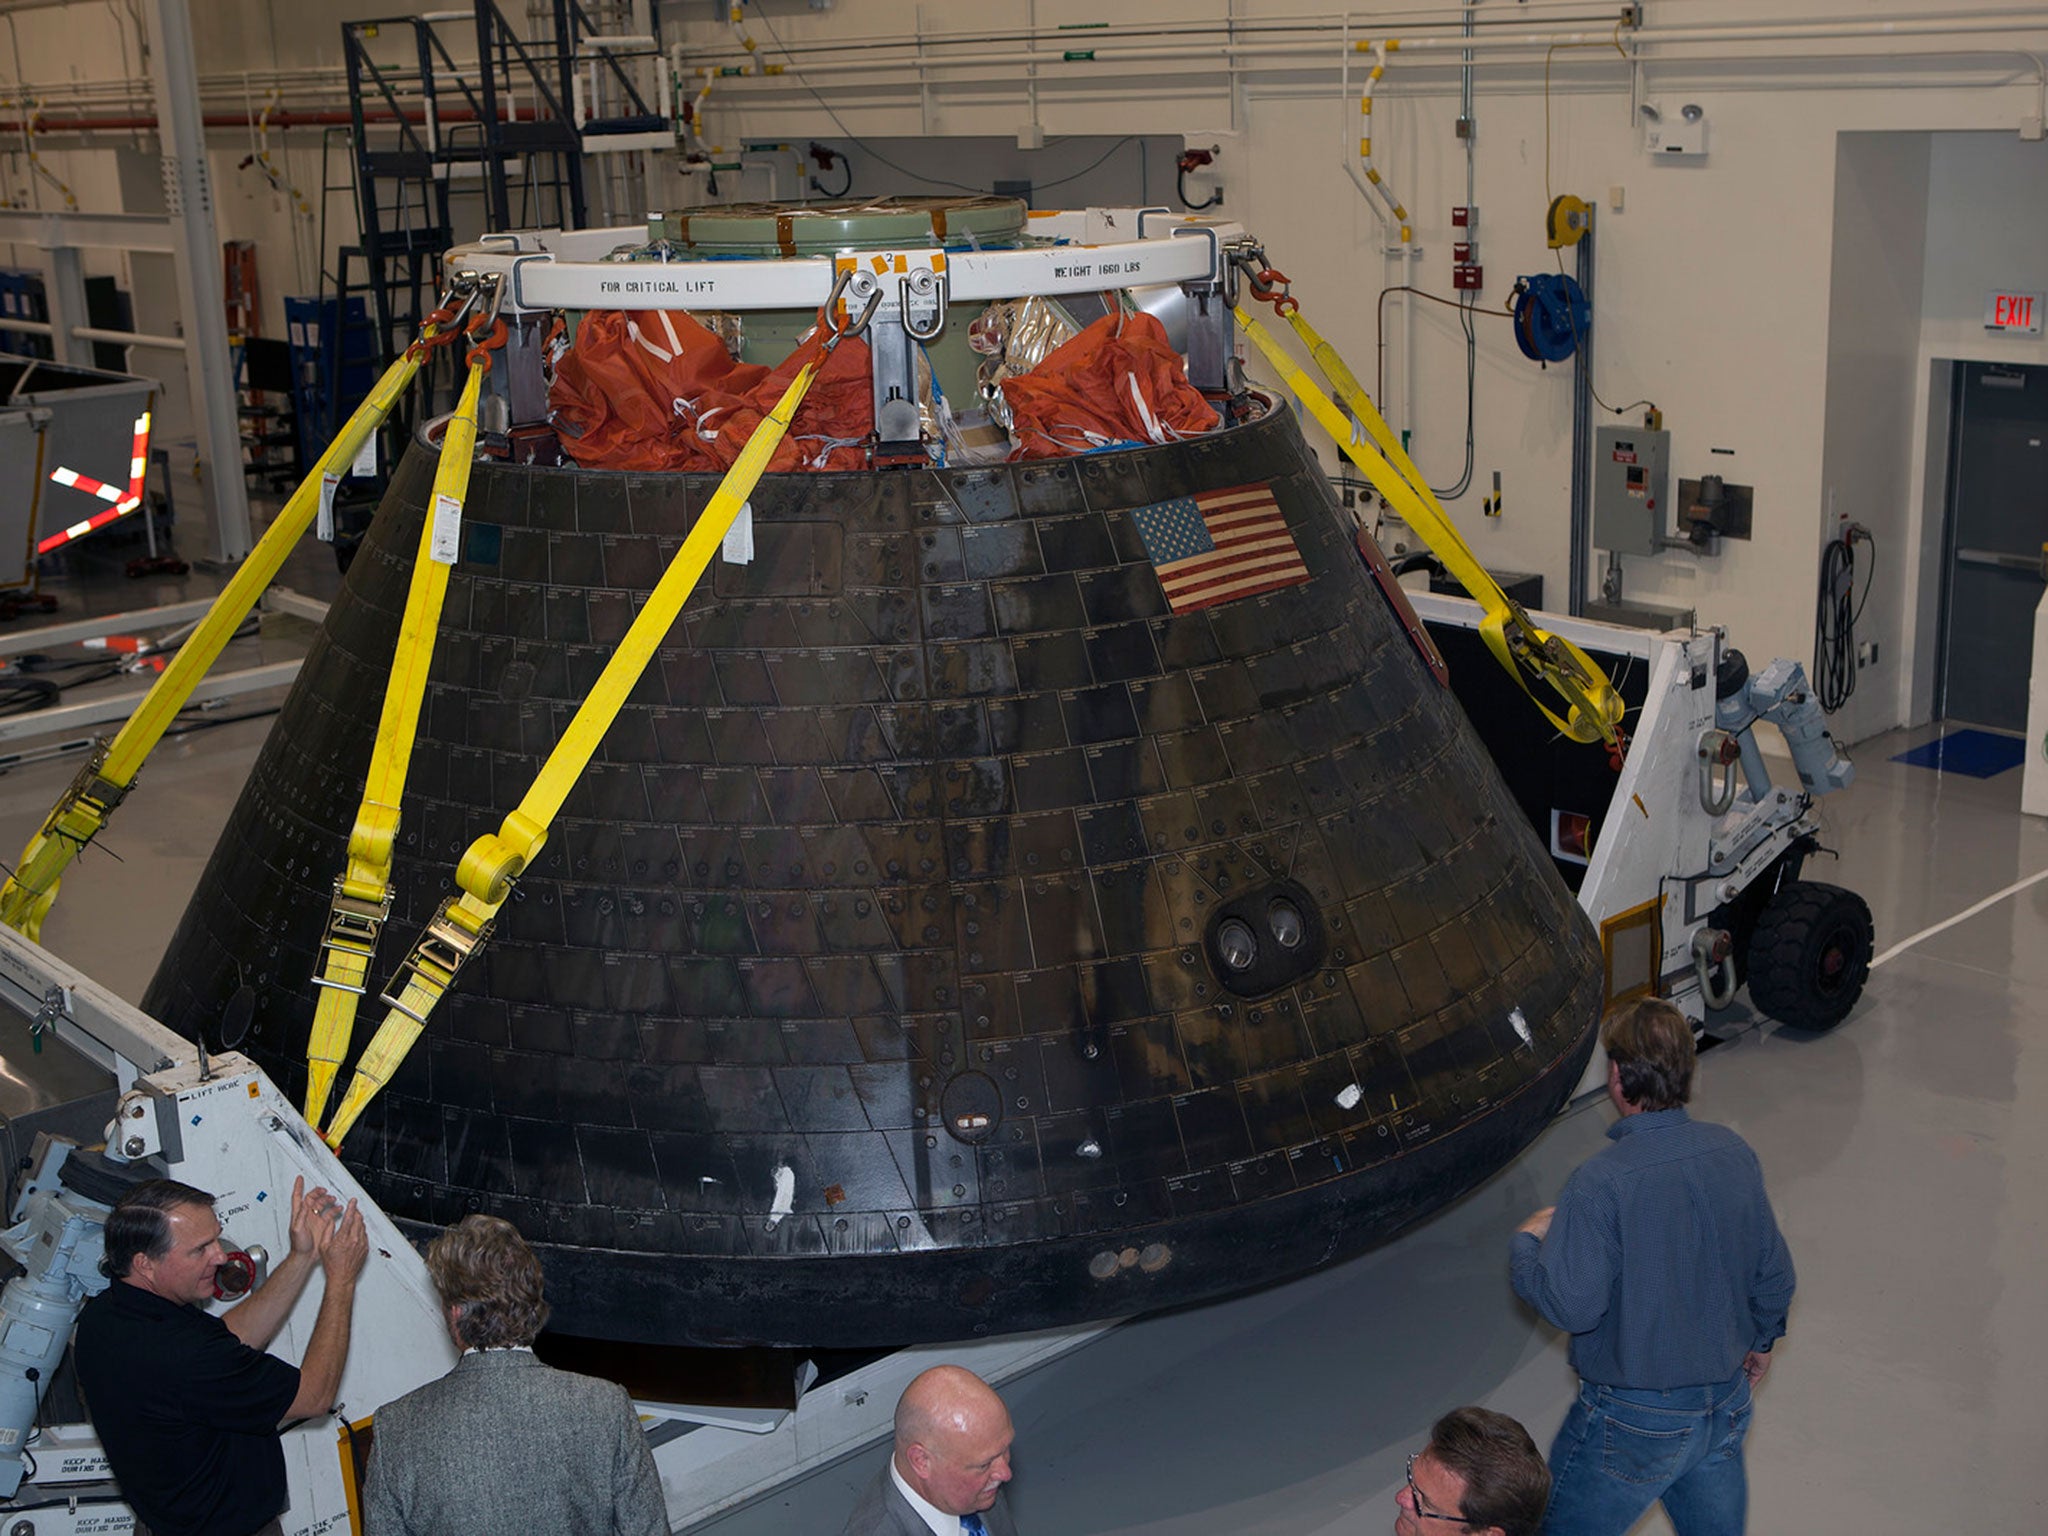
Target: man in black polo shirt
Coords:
[[187, 1405]]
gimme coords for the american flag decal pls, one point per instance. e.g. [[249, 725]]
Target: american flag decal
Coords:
[[1219, 546]]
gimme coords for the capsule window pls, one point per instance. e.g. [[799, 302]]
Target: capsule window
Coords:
[[1283, 921], [1265, 939]]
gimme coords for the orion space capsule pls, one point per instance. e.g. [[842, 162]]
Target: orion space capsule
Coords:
[[1019, 891]]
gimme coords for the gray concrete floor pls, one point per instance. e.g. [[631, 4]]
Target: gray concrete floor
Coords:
[[1905, 1151]]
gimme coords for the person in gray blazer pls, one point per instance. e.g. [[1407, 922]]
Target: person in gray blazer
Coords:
[[951, 1460], [503, 1445]]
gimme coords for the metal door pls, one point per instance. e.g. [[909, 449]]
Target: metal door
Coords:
[[1997, 530]]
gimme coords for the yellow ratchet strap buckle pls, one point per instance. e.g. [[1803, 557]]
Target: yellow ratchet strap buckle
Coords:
[[353, 925], [436, 959], [93, 790]]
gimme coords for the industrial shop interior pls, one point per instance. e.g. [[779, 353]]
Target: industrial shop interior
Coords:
[[838, 766]]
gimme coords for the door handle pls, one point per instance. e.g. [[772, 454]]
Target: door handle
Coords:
[[2032, 565]]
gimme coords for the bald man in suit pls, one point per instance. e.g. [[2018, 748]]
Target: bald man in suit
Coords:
[[951, 1460]]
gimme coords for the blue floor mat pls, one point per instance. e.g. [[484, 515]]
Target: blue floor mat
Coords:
[[1977, 754]]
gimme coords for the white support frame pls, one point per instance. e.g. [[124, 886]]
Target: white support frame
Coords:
[[119, 706], [195, 243], [1105, 248], [1656, 842], [19, 642], [222, 1125]]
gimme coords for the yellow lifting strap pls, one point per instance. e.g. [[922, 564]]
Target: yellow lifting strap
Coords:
[[362, 894], [494, 861], [1593, 708], [100, 785]]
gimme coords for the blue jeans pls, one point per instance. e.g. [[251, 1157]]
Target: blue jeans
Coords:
[[1622, 1449]]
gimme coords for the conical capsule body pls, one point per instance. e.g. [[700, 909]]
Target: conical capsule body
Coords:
[[991, 910]]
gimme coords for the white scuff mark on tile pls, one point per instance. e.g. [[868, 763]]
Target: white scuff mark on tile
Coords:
[[1521, 1024], [785, 1196], [1349, 1095], [739, 538]]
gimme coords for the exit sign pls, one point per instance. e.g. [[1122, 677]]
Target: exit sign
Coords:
[[2019, 312]]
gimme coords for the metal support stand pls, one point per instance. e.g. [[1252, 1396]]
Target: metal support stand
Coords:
[[188, 200], [1582, 431], [64, 292], [907, 313]]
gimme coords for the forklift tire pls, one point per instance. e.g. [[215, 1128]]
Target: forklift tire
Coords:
[[1810, 955]]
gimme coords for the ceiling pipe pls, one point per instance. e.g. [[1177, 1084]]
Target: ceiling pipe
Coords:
[[1232, 57], [48, 128], [1762, 33], [1413, 27]]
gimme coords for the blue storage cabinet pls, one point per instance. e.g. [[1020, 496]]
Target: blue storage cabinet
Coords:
[[333, 367]]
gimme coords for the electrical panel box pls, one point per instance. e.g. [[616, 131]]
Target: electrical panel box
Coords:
[[1466, 272], [1630, 472]]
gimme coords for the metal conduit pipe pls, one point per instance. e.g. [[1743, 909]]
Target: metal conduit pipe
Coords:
[[998, 70], [1521, 42], [2038, 80], [146, 122], [99, 333], [1423, 22], [1412, 23]]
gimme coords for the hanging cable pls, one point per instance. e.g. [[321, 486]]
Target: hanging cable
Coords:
[[1549, 54], [1571, 315], [1464, 482], [1091, 165], [866, 148], [1835, 614], [795, 71], [1467, 306], [826, 158], [1380, 328]]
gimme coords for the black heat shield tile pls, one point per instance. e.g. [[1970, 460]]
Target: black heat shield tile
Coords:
[[891, 891]]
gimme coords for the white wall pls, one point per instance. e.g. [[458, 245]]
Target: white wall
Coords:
[[1880, 223]]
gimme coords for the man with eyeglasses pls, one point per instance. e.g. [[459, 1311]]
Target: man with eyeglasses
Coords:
[[1664, 1263], [1480, 1474]]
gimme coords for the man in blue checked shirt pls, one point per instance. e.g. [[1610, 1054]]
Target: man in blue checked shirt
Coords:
[[1663, 1262]]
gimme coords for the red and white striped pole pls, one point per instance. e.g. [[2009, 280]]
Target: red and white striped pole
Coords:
[[124, 503]]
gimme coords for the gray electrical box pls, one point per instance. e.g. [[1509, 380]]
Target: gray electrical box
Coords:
[[1630, 476]]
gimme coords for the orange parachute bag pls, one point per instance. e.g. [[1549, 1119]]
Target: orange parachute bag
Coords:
[[657, 391], [832, 426], [1119, 381], [632, 391]]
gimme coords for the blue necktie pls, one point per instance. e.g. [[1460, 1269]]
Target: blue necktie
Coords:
[[970, 1525]]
